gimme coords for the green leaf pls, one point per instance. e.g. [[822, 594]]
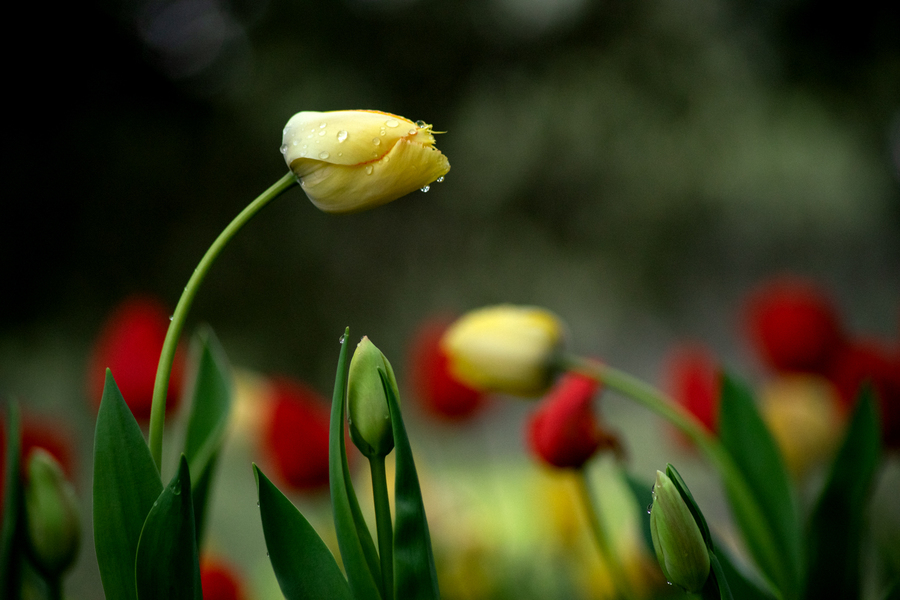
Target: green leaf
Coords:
[[741, 586], [718, 580], [12, 505], [836, 524], [126, 484], [414, 572], [643, 494], [210, 405], [354, 539], [168, 562], [303, 565], [774, 540], [688, 498]]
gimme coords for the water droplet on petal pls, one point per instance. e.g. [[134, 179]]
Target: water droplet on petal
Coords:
[[386, 159], [376, 141], [341, 340], [369, 169], [284, 148], [392, 123], [340, 153], [440, 179], [323, 155], [171, 317], [323, 132], [421, 123], [649, 506], [257, 502], [322, 126], [383, 131], [413, 131], [342, 135], [426, 188]]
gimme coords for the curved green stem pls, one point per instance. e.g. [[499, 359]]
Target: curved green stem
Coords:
[[607, 553], [383, 526], [739, 491], [167, 356]]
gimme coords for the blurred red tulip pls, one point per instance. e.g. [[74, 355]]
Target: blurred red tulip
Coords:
[[793, 326], [297, 435], [691, 376], [219, 581], [46, 434], [564, 432], [129, 344], [863, 361], [441, 394]]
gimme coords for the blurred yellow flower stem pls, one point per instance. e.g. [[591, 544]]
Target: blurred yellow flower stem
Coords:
[[167, 356], [709, 445], [607, 553]]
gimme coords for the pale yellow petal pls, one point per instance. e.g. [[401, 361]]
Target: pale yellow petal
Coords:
[[407, 167]]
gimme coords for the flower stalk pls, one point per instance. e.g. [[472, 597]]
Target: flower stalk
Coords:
[[167, 355], [742, 499], [383, 525]]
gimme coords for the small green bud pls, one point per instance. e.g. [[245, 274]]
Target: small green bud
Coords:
[[51, 513], [680, 549], [370, 418]]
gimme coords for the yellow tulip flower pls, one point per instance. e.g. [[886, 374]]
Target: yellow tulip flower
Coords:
[[505, 348], [352, 160]]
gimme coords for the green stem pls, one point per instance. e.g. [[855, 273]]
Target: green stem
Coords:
[[54, 587], [607, 552], [167, 356], [383, 526], [741, 496]]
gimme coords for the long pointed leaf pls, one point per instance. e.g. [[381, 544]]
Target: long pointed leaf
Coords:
[[775, 542], [836, 525], [167, 566], [742, 587], [126, 484], [208, 421], [303, 565], [414, 572], [354, 539], [12, 495]]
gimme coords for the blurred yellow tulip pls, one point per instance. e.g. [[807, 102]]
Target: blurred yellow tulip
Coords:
[[802, 413], [353, 160], [504, 348]]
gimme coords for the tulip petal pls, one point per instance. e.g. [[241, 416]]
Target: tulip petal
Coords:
[[349, 188], [348, 137]]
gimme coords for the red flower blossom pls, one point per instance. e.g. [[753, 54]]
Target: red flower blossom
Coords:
[[441, 394], [219, 581], [129, 344], [564, 432], [297, 435], [793, 326], [692, 379], [859, 362]]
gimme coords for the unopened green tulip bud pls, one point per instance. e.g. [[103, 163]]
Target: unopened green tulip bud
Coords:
[[680, 549], [51, 512], [370, 418]]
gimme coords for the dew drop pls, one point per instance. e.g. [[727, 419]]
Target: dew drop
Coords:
[[171, 317], [176, 491], [340, 153], [309, 136], [649, 506], [257, 503], [323, 155], [413, 131], [426, 188], [284, 148], [386, 159], [369, 169], [376, 141], [322, 133], [392, 123], [322, 125], [440, 179], [421, 123], [267, 553], [669, 582], [341, 340], [342, 135]]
